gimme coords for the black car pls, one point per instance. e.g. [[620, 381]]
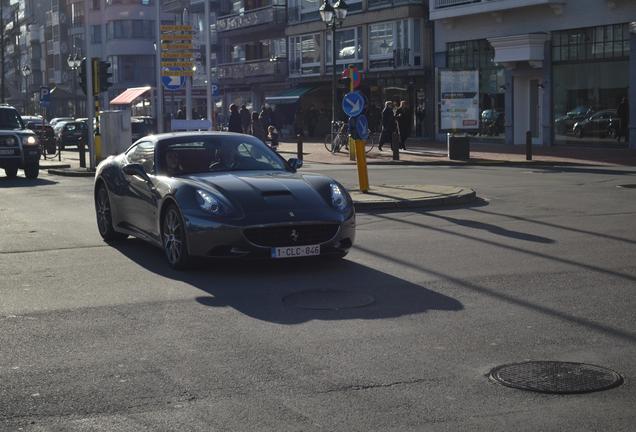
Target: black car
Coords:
[[19, 146], [220, 195], [597, 125], [73, 134], [565, 123]]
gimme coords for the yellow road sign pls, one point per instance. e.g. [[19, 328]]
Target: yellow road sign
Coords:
[[175, 46], [181, 72], [176, 37], [175, 28], [177, 55], [177, 64]]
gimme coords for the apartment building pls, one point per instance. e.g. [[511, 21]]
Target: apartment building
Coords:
[[556, 68], [389, 40]]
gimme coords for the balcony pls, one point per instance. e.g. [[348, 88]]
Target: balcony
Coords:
[[446, 9], [267, 69], [266, 16], [379, 4]]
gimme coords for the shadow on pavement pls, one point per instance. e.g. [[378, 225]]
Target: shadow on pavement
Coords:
[[24, 182], [257, 288]]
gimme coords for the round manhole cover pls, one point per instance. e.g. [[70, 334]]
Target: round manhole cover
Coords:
[[628, 186], [556, 377], [327, 300]]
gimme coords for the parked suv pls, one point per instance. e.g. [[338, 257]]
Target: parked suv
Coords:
[[19, 146]]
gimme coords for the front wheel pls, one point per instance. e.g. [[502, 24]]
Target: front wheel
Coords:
[[174, 239], [32, 171], [328, 142], [104, 217]]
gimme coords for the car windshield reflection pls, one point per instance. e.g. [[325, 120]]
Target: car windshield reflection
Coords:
[[217, 154]]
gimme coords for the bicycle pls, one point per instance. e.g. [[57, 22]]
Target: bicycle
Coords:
[[341, 139]]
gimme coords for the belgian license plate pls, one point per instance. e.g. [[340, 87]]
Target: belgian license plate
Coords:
[[295, 251], [6, 151]]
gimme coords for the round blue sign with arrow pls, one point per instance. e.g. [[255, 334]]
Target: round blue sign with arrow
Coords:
[[362, 127], [353, 104], [172, 82]]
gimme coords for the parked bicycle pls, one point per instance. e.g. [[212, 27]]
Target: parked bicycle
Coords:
[[340, 142]]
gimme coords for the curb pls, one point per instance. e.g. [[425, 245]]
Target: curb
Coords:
[[55, 166], [465, 197], [72, 172], [467, 163]]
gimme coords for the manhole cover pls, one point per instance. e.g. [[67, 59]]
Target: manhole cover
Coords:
[[628, 186], [327, 300], [556, 377]]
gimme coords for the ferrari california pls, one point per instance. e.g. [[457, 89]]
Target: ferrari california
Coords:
[[220, 195]]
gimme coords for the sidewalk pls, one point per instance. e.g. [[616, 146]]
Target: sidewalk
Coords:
[[434, 153]]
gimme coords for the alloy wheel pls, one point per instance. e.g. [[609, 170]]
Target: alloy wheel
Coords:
[[103, 211], [173, 237]]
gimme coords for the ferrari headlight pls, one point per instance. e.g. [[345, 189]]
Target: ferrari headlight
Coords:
[[338, 198], [208, 202], [29, 140]]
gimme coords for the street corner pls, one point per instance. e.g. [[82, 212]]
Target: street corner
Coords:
[[72, 172], [411, 196]]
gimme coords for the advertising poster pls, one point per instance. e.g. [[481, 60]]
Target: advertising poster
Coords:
[[459, 100]]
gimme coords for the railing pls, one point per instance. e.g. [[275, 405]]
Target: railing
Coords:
[[449, 3], [376, 4], [254, 17], [254, 68]]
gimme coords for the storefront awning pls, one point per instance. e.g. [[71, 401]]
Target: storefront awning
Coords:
[[129, 95], [288, 96]]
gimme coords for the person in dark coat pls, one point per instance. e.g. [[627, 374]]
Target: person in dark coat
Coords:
[[388, 125], [257, 129], [403, 119], [622, 112], [245, 119], [234, 123]]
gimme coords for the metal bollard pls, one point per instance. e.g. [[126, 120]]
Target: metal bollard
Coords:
[[395, 147], [299, 144], [82, 154], [528, 145]]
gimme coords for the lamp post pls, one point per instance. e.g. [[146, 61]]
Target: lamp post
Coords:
[[74, 61], [26, 71], [333, 16]]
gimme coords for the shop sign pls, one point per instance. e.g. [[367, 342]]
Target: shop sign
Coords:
[[459, 100]]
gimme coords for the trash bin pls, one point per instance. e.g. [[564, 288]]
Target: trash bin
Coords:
[[458, 147]]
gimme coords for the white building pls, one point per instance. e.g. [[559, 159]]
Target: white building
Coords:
[[546, 65]]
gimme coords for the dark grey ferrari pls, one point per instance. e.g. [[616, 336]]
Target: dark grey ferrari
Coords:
[[220, 195]]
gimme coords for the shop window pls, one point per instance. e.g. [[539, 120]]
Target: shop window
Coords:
[[394, 44], [348, 47]]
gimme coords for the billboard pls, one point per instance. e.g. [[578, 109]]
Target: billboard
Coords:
[[459, 100]]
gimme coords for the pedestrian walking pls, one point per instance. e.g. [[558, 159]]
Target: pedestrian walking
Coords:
[[403, 119], [622, 112], [245, 119], [256, 128], [388, 125], [234, 123]]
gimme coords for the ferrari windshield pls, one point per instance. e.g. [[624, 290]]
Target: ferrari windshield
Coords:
[[199, 154]]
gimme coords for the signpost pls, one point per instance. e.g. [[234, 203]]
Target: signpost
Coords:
[[353, 105], [177, 59]]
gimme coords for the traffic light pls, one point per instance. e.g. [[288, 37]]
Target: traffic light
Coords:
[[82, 75], [96, 75], [104, 76]]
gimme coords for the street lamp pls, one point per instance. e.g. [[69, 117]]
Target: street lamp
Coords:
[[333, 16], [74, 61], [26, 71]]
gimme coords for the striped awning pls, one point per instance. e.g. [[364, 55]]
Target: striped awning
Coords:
[[129, 95]]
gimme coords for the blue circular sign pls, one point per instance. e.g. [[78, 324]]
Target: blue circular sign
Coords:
[[362, 127], [353, 104], [172, 82]]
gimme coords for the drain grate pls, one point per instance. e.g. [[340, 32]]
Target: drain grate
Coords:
[[556, 377], [628, 186], [327, 300]]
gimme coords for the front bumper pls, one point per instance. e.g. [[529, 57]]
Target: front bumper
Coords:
[[216, 240]]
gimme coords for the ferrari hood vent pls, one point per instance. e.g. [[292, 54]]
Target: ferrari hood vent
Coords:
[[272, 193]]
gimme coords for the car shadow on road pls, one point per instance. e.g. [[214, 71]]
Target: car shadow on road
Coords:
[[24, 182], [259, 289]]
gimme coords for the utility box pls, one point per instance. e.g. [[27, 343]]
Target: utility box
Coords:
[[114, 127]]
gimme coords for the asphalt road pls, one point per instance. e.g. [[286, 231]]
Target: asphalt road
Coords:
[[107, 338]]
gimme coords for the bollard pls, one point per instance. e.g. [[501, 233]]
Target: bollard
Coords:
[[299, 144], [395, 147], [82, 153], [528, 145]]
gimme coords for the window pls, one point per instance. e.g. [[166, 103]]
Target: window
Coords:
[[96, 34], [130, 29], [304, 55], [381, 40], [348, 46], [592, 43], [144, 154]]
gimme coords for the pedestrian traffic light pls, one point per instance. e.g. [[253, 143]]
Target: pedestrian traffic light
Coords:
[[82, 75], [104, 76]]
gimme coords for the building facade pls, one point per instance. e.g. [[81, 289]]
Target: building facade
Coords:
[[389, 40], [559, 69]]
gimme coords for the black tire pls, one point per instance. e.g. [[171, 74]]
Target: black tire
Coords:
[[51, 148], [32, 171], [173, 239], [328, 142], [104, 216], [579, 132], [11, 172]]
